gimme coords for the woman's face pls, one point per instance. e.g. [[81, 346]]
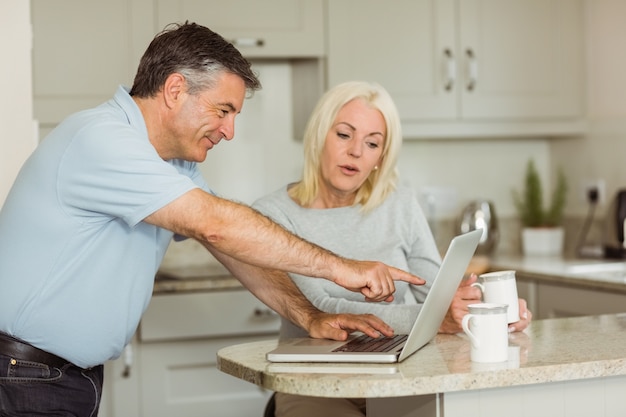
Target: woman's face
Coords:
[[352, 150]]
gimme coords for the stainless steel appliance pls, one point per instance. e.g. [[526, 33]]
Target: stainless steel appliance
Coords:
[[614, 227], [480, 214]]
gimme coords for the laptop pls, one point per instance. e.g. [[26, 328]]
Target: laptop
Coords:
[[430, 317]]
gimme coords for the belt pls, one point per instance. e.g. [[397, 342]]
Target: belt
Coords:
[[17, 349]]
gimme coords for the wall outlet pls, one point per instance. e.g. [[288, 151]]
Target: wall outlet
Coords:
[[588, 185]]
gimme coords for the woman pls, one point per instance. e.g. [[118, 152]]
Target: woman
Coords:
[[348, 202]]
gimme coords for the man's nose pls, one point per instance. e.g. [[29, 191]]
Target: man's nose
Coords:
[[228, 130]]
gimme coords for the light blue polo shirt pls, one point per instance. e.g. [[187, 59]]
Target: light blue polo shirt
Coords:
[[77, 264]]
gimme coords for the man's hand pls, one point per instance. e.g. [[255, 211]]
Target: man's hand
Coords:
[[339, 326], [374, 280]]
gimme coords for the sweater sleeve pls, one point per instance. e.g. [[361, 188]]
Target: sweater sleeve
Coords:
[[424, 258]]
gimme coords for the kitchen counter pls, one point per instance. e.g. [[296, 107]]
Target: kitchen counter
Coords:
[[606, 275], [194, 279], [593, 274], [548, 352]]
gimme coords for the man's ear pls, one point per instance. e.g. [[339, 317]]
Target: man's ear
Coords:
[[173, 88]]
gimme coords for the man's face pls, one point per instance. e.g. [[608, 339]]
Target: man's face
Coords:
[[205, 118]]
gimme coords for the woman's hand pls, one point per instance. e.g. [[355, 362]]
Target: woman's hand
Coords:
[[525, 318], [464, 296]]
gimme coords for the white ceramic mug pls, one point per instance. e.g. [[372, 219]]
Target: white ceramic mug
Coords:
[[500, 287], [487, 328]]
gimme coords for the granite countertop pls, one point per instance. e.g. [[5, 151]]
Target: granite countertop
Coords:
[[194, 279], [596, 274], [548, 351]]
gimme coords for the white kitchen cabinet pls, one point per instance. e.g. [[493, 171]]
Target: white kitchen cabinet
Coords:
[[181, 379], [170, 369], [83, 50], [259, 29], [120, 397], [460, 68], [555, 301], [180, 335], [549, 300]]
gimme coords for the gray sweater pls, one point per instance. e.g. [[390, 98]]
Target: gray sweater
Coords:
[[395, 233]]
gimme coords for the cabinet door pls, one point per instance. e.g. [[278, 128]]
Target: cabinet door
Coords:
[[182, 379], [407, 46], [259, 29], [180, 335], [83, 50], [522, 59], [120, 396], [555, 301], [471, 68]]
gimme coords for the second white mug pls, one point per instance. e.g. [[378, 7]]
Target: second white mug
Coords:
[[487, 329], [500, 287]]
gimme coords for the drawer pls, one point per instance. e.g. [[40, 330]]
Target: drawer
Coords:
[[182, 379], [208, 314]]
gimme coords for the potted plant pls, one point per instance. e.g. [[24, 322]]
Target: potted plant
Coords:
[[542, 232]]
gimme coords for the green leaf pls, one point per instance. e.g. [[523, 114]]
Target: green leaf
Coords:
[[529, 203]]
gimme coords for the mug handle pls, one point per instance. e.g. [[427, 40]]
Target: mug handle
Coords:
[[466, 329], [479, 285]]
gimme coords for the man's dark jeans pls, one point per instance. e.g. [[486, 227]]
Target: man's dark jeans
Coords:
[[36, 389]]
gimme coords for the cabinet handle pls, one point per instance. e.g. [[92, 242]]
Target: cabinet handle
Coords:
[[472, 69], [248, 42], [128, 360], [262, 313], [450, 70]]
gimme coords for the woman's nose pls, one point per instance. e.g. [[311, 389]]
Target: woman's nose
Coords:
[[355, 148]]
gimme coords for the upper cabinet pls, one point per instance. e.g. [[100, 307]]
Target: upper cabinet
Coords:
[[469, 68], [259, 29], [82, 51], [80, 57], [455, 68]]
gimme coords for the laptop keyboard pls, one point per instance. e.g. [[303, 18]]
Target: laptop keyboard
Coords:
[[366, 343]]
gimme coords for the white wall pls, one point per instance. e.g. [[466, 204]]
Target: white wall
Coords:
[[264, 155], [601, 154], [18, 131]]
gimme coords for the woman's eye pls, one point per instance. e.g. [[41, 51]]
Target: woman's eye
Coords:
[[372, 145], [343, 135]]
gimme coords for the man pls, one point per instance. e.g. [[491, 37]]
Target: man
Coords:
[[92, 211]]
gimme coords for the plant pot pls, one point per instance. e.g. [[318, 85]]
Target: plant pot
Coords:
[[542, 241]]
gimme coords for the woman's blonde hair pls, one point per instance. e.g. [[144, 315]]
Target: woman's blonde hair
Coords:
[[380, 182]]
